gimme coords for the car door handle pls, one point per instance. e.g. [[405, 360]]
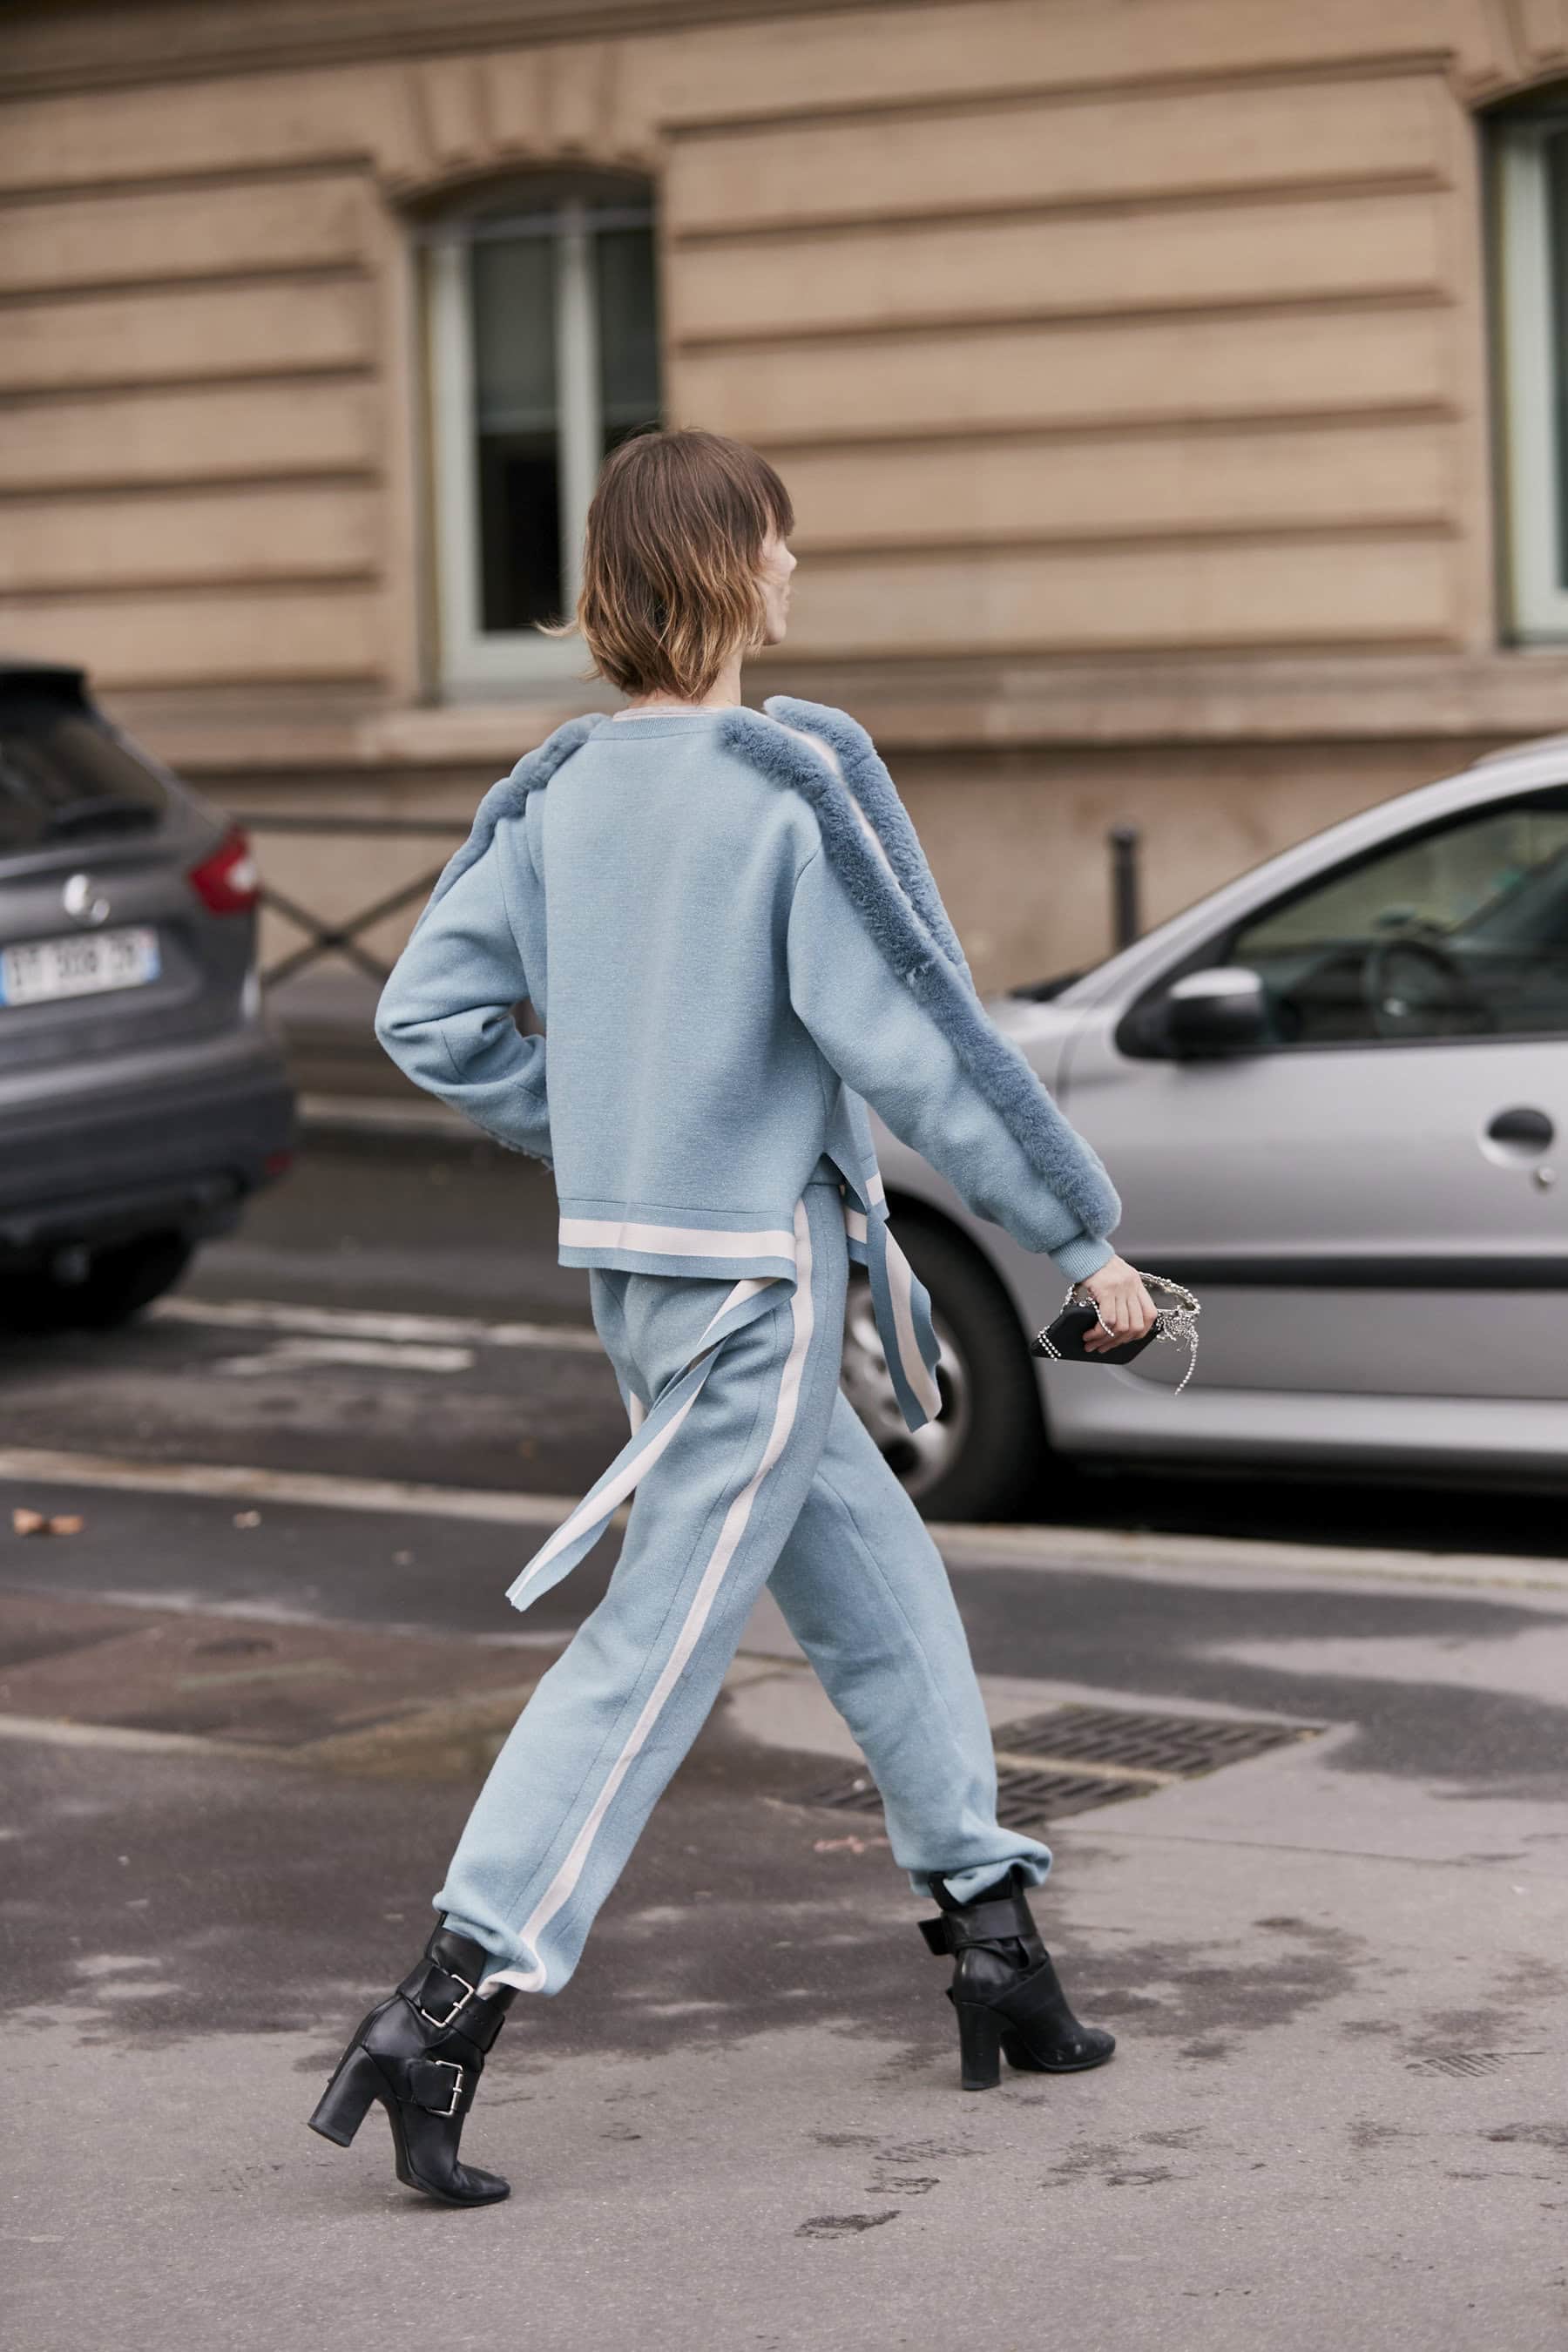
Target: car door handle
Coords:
[[1531, 1128]]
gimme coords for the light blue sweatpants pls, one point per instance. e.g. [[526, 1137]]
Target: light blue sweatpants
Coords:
[[766, 1478]]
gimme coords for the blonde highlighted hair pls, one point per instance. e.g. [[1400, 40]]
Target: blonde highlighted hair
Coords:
[[675, 536]]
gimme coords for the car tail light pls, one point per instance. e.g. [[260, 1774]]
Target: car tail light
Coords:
[[229, 881]]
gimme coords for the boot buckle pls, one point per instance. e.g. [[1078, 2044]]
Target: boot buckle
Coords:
[[457, 2071], [462, 2002]]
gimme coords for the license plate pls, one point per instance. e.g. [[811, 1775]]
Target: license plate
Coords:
[[87, 966]]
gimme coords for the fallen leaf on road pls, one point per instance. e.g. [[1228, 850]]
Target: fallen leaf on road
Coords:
[[36, 1523], [247, 1518]]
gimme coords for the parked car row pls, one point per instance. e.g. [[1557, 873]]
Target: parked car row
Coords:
[[1334, 1098], [142, 1099]]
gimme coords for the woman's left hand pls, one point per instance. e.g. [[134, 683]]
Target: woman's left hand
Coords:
[[1124, 1306]]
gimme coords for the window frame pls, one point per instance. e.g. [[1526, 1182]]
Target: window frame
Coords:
[[1535, 494], [468, 658]]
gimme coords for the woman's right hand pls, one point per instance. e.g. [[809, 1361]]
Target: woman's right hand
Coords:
[[1124, 1305]]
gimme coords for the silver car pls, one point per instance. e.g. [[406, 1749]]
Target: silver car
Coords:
[[1334, 1098], [140, 1098]]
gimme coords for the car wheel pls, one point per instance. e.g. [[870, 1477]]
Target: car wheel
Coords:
[[981, 1457], [117, 1283]]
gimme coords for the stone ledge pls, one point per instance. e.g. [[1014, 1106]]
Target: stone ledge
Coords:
[[94, 46], [310, 742]]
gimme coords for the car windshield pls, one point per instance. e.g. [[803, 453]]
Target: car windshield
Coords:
[[65, 777]]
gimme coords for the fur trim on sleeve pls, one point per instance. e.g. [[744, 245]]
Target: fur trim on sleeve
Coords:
[[910, 942], [863, 771]]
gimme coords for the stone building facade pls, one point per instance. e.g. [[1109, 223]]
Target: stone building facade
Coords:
[[1167, 389]]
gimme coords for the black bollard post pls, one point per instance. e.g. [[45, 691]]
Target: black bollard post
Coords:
[[1126, 921]]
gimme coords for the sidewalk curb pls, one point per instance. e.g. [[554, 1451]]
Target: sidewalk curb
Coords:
[[963, 1545], [375, 1116], [1118, 1551]]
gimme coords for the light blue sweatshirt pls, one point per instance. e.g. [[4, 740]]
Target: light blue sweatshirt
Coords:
[[727, 927]]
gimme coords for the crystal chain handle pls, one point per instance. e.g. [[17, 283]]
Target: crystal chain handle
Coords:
[[1179, 1323]]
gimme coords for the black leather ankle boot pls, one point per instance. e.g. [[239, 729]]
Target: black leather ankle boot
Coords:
[[1004, 1989], [421, 2052]]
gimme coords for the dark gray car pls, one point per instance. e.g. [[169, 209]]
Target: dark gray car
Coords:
[[141, 1098]]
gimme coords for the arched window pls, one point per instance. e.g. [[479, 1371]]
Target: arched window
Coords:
[[1531, 182], [543, 337]]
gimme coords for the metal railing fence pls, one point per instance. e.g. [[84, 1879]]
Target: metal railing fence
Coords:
[[325, 936]]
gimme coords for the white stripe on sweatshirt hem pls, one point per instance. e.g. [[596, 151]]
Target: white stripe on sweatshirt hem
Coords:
[[673, 1241]]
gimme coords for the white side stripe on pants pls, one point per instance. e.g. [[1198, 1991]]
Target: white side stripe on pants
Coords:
[[530, 1975], [653, 1428]]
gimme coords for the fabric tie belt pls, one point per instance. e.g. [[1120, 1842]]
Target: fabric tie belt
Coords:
[[903, 1308]]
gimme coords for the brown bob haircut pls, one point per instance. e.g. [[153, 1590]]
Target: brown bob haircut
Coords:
[[670, 574]]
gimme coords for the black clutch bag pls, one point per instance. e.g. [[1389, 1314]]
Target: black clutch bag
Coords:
[[1063, 1340]]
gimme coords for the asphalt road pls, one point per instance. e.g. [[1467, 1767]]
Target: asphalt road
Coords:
[[394, 1313], [1426, 1677], [279, 1351], [243, 1710]]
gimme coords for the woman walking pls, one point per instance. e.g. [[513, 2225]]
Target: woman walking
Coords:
[[725, 921]]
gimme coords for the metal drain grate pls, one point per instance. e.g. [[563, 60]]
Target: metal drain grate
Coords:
[[1170, 1746], [1079, 1757]]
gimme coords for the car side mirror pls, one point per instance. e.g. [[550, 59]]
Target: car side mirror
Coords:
[[1221, 1010]]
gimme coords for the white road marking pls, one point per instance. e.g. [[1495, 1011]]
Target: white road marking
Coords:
[[58, 1731], [383, 1355], [227, 1482], [361, 1323]]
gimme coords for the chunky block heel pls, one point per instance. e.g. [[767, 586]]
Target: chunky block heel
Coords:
[[1005, 1990], [979, 2042], [342, 2106], [421, 2052]]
